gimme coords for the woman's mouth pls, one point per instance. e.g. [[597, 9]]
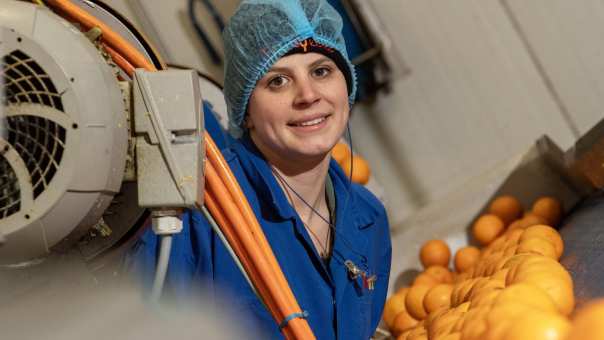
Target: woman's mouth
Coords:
[[310, 122]]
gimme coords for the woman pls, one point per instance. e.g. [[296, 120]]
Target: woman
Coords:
[[288, 87]]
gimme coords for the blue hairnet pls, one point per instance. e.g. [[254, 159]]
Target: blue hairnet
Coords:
[[262, 31]]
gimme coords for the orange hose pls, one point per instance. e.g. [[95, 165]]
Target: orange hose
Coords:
[[229, 233], [217, 191], [280, 307], [224, 172], [263, 266], [119, 60], [244, 208], [111, 37]]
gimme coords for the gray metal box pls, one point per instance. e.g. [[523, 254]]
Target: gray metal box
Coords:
[[168, 124]]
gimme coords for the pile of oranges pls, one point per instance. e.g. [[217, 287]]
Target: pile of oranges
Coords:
[[513, 287], [351, 163]]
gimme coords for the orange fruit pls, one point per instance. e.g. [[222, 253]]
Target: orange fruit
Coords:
[[443, 323], [510, 251], [440, 273], [459, 324], [462, 308], [497, 331], [587, 323], [546, 232], [394, 305], [538, 325], [527, 264], [461, 291], [494, 247], [517, 259], [402, 322], [500, 274], [486, 266], [485, 284], [475, 324], [414, 302], [507, 208], [486, 297], [451, 336], [557, 287], [537, 245], [437, 297], [548, 208], [404, 335], [496, 263], [527, 294], [360, 169], [466, 257], [460, 277], [425, 279], [417, 333], [512, 236], [341, 153], [487, 228], [435, 315], [506, 311], [528, 220], [435, 252]]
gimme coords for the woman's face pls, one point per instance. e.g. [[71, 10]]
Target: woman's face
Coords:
[[299, 109]]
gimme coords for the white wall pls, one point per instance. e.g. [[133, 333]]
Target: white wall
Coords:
[[488, 77]]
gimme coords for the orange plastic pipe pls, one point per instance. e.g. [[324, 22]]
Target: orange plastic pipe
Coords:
[[224, 172], [119, 60], [111, 37], [234, 216], [279, 308]]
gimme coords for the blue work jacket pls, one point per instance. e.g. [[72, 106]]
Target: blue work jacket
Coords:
[[338, 305]]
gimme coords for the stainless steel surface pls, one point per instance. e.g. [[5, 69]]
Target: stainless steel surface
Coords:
[[583, 235]]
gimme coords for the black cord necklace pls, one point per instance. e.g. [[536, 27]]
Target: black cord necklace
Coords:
[[332, 227], [326, 249]]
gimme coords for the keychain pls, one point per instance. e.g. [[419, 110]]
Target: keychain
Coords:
[[354, 272]]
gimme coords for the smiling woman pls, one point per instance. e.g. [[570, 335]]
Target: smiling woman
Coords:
[[298, 111], [288, 87]]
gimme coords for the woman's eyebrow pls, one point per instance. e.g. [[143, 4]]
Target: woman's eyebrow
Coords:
[[320, 61], [277, 69]]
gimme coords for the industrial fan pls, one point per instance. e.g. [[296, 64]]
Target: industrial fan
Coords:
[[74, 129]]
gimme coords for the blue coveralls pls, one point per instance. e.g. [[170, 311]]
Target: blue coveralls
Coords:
[[338, 306]]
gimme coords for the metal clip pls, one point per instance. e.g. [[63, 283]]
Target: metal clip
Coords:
[[353, 270]]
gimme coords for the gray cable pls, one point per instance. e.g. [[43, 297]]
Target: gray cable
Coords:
[[217, 230], [162, 267]]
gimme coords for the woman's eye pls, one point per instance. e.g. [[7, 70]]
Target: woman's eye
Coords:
[[277, 82], [322, 72]]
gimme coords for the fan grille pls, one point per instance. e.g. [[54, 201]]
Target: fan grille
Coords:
[[39, 141], [10, 195], [26, 81]]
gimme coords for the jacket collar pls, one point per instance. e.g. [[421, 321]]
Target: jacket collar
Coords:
[[350, 241], [261, 177]]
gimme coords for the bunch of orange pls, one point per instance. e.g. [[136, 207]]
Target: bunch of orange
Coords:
[[354, 166], [512, 288]]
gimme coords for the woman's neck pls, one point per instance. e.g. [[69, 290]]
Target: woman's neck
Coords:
[[308, 186], [301, 180]]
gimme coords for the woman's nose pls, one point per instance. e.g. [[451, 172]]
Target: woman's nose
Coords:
[[306, 92]]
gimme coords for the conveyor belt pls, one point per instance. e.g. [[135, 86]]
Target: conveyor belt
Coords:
[[583, 235]]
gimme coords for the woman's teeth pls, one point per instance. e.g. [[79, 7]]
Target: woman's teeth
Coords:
[[312, 122]]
